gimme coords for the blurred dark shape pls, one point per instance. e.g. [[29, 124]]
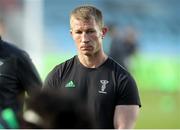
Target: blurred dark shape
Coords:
[[54, 110], [18, 77], [123, 44]]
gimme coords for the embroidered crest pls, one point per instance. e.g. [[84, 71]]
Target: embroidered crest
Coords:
[[103, 86]]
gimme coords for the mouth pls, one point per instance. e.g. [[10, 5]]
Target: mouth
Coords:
[[87, 47]]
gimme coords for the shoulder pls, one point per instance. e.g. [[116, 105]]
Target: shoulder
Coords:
[[62, 67], [116, 66], [65, 65], [54, 77], [121, 73], [10, 49]]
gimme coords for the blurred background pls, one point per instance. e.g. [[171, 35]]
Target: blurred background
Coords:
[[41, 27]]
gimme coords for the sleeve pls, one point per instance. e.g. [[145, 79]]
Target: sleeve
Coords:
[[52, 80], [127, 91], [27, 73]]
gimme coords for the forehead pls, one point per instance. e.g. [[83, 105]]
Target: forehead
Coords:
[[82, 23]]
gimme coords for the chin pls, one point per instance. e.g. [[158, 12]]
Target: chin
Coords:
[[87, 53]]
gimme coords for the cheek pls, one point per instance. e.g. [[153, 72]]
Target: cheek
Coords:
[[95, 38], [76, 39], [98, 39], [99, 44]]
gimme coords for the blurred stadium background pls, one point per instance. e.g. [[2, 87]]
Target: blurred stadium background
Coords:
[[41, 27]]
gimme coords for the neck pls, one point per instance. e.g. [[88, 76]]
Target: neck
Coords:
[[92, 61]]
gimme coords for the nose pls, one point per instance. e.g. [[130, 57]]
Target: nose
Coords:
[[85, 38]]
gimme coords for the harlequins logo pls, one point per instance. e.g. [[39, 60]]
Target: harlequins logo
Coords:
[[70, 84], [103, 87]]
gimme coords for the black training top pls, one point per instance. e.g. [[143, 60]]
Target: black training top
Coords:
[[17, 75], [101, 88]]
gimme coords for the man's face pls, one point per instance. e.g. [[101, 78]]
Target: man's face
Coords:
[[87, 36]]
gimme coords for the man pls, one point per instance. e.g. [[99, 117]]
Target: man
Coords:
[[17, 76], [91, 76]]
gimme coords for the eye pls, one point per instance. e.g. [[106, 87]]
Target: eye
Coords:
[[78, 32], [90, 31]]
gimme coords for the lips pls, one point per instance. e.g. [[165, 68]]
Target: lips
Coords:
[[86, 47]]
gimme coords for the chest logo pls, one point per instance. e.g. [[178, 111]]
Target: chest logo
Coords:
[[103, 86], [70, 84]]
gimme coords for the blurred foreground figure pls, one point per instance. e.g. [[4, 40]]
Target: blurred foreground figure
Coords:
[[55, 110], [17, 76], [93, 77]]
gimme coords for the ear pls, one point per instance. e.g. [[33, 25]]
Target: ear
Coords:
[[104, 31], [70, 31]]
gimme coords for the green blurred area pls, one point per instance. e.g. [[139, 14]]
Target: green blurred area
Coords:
[[156, 73], [160, 110], [158, 80]]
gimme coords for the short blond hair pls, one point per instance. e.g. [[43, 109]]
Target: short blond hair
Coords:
[[86, 12]]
